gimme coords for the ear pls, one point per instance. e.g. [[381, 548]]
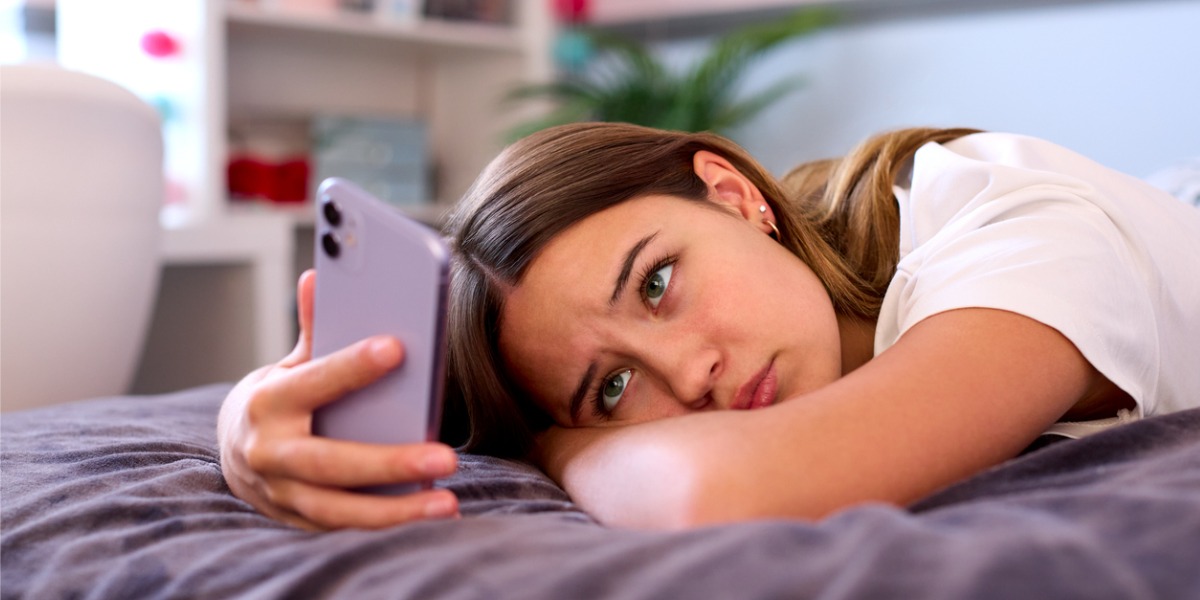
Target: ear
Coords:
[[729, 188]]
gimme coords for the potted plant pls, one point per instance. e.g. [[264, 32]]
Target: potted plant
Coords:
[[633, 86]]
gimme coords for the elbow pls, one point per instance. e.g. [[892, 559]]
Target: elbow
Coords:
[[650, 486], [648, 480], [675, 491], [703, 500], [696, 501], [708, 496]]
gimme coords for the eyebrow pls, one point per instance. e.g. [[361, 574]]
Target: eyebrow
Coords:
[[627, 268], [618, 288], [580, 392]]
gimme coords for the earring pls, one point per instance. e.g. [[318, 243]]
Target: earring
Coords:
[[774, 230], [762, 209]]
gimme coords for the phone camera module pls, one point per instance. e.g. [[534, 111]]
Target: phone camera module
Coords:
[[331, 245], [333, 214]]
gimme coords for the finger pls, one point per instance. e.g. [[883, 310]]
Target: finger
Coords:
[[318, 382], [305, 287], [332, 508], [305, 291], [340, 463]]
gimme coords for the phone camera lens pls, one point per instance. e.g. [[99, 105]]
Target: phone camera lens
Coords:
[[330, 244], [332, 213]]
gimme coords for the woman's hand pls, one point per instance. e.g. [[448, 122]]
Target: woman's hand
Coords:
[[271, 459]]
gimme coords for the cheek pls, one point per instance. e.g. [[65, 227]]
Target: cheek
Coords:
[[771, 289], [788, 308]]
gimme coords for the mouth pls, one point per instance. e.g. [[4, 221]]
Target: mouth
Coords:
[[760, 391]]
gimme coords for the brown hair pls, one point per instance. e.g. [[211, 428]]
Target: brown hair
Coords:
[[850, 201], [840, 220]]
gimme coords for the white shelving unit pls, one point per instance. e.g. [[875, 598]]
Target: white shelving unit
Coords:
[[260, 67], [421, 33]]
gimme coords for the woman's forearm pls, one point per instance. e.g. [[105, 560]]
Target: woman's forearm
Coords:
[[936, 408], [705, 468]]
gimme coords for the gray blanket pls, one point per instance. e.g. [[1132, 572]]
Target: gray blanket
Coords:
[[123, 498]]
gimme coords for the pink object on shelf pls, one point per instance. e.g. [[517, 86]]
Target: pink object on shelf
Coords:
[[159, 44], [572, 11]]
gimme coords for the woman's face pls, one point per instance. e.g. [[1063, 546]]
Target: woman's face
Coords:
[[661, 306]]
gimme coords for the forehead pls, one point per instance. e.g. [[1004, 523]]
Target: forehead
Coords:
[[586, 256], [557, 315], [608, 234]]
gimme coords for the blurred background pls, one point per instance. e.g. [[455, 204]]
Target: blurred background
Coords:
[[258, 100]]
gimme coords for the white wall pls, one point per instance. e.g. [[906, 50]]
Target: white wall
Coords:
[[1118, 81]]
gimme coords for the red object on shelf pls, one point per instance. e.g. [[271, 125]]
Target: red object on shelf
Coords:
[[159, 44], [249, 178], [252, 178], [291, 181]]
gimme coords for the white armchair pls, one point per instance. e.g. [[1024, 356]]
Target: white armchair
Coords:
[[81, 185]]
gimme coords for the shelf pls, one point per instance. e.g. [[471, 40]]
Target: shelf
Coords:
[[627, 12], [432, 33], [304, 215], [677, 19]]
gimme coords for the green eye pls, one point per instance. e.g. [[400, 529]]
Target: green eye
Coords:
[[613, 389], [656, 284]]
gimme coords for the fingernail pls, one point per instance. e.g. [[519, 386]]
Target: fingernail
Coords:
[[437, 464], [384, 351], [441, 507]]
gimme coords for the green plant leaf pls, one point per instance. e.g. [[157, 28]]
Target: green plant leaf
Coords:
[[631, 85], [566, 113], [745, 109], [717, 74], [634, 59], [566, 90]]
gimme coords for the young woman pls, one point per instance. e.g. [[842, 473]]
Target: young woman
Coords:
[[679, 339]]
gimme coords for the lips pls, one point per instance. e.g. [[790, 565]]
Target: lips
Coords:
[[760, 391]]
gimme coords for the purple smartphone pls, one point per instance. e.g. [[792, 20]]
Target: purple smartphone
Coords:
[[379, 272]]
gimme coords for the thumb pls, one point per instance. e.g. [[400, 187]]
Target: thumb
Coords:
[[304, 308]]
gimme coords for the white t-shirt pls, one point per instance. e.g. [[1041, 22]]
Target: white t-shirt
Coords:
[[1016, 223]]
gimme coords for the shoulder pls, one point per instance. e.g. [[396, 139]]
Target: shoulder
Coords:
[[1021, 224], [979, 179], [1025, 157], [991, 164], [1015, 150], [985, 176]]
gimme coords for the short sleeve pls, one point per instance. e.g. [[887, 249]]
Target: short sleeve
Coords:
[[982, 234]]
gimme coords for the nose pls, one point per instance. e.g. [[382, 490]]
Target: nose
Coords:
[[689, 372]]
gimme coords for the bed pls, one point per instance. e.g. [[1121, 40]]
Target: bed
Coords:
[[122, 497]]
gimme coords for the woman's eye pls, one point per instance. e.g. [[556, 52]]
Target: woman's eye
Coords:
[[614, 388], [656, 285]]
